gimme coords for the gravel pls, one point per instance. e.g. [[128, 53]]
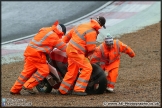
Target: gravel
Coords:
[[138, 81]]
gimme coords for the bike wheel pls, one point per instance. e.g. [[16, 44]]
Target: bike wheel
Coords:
[[44, 87], [98, 82]]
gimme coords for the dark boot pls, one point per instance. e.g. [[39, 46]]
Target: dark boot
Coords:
[[59, 93], [29, 90], [12, 93], [79, 93]]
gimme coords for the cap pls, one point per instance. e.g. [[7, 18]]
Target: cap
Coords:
[[101, 20], [109, 39]]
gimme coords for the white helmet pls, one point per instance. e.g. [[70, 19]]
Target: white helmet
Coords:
[[62, 28]]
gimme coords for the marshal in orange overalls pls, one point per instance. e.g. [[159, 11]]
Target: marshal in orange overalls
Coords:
[[36, 67], [109, 59], [82, 43]]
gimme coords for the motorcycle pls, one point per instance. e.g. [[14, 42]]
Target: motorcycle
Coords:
[[57, 62]]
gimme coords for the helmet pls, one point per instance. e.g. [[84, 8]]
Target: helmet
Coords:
[[109, 39], [101, 20], [62, 28]]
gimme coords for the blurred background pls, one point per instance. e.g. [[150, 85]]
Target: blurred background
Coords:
[[22, 18]]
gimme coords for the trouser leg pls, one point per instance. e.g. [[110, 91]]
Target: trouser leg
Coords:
[[83, 79], [39, 75], [28, 70], [112, 78]]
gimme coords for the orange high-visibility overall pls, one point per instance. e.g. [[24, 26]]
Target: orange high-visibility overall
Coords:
[[82, 43], [109, 60], [36, 67]]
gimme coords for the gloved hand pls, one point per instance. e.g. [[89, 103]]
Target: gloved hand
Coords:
[[132, 55]]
